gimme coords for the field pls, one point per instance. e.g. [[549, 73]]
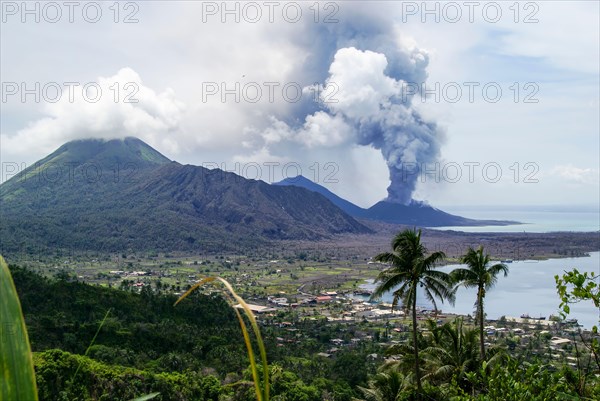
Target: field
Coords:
[[293, 268]]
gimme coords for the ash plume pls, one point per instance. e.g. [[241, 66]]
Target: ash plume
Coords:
[[375, 73]]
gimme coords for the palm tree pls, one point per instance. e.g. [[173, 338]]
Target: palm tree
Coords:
[[385, 386], [409, 269], [478, 274], [452, 352]]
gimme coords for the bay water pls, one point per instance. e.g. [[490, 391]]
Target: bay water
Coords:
[[535, 219], [529, 288]]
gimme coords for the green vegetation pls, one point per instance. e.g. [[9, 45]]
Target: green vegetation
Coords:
[[18, 380], [100, 381], [143, 330], [146, 344], [453, 371], [18, 377], [95, 343], [411, 269], [262, 388], [574, 287], [451, 366], [481, 275], [122, 195]]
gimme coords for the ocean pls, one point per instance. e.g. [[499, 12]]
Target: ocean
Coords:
[[529, 289], [536, 219]]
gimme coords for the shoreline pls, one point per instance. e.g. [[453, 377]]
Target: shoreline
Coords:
[[528, 289]]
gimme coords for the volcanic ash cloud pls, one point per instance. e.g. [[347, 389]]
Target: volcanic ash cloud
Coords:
[[361, 104]]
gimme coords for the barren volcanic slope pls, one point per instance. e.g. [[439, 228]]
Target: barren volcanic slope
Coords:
[[122, 194], [415, 213], [420, 214]]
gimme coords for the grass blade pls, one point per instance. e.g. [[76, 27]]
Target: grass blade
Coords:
[[17, 382], [253, 368], [255, 328], [92, 343], [261, 394], [194, 287], [146, 397]]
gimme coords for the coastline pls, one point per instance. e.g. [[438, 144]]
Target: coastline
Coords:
[[529, 288]]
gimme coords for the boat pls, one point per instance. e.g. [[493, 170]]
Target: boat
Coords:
[[506, 261]]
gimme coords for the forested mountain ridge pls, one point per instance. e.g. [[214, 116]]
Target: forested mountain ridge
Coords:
[[123, 195]]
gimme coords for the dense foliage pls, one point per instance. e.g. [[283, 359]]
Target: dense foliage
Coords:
[[195, 352], [145, 339], [447, 360]]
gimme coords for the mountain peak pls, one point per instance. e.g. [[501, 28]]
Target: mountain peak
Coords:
[[129, 150], [89, 160], [418, 213], [113, 195], [303, 182], [297, 179]]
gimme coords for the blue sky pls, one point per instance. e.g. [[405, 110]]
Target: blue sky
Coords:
[[548, 152]]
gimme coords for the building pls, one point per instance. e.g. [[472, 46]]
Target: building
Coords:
[[257, 309]]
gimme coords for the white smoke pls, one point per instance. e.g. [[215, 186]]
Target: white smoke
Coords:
[[362, 105]]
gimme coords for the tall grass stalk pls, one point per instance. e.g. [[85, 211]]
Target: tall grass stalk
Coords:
[[262, 392], [92, 343]]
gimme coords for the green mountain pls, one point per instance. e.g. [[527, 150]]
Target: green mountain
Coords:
[[120, 195]]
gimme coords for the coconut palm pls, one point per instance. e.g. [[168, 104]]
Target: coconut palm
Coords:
[[411, 268], [478, 274], [385, 386], [402, 357], [452, 353]]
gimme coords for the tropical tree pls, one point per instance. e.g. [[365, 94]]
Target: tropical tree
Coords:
[[410, 268], [402, 357], [452, 353], [478, 274], [385, 386], [574, 287]]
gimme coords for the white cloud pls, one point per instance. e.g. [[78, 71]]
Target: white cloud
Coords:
[[114, 107], [578, 175], [171, 48], [564, 33]]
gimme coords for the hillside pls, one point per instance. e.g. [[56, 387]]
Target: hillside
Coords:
[[123, 195], [192, 351]]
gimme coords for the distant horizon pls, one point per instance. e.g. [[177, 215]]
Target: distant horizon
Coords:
[[583, 207]]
